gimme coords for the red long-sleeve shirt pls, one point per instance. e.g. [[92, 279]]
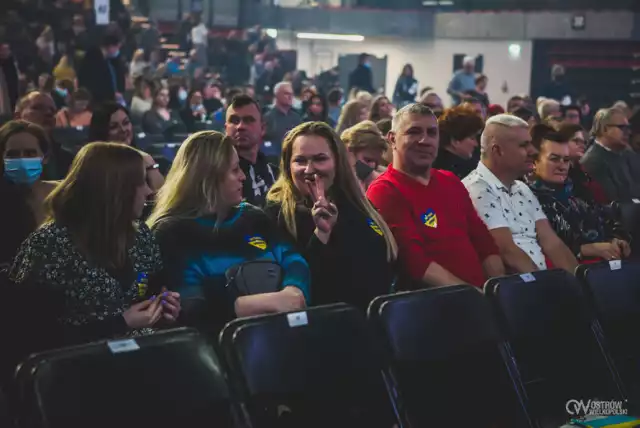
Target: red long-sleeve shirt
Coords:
[[433, 223]]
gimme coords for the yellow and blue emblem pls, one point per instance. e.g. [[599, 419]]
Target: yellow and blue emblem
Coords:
[[430, 219], [257, 241], [372, 224]]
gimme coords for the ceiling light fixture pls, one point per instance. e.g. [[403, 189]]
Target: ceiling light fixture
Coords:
[[326, 36]]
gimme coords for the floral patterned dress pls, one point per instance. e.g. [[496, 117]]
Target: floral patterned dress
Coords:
[[576, 221], [83, 299]]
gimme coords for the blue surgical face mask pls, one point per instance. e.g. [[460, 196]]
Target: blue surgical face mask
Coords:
[[197, 107], [23, 170], [63, 92], [114, 54], [367, 64], [182, 95]]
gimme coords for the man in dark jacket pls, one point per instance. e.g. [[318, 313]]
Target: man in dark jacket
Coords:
[[8, 80], [609, 160], [244, 125], [362, 77], [102, 71]]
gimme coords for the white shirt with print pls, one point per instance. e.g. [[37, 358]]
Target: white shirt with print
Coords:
[[516, 208]]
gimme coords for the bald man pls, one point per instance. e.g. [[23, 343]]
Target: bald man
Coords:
[[39, 108], [508, 207]]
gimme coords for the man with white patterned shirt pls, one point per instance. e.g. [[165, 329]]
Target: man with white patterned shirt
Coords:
[[507, 206]]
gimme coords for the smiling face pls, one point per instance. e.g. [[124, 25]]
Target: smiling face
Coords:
[[120, 128], [415, 142], [311, 159], [553, 162]]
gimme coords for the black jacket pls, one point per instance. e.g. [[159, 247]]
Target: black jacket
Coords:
[[361, 78], [95, 74], [10, 72], [450, 162], [352, 267], [260, 178]]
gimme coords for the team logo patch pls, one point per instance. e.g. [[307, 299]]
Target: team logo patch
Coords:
[[257, 241], [430, 219], [372, 224]]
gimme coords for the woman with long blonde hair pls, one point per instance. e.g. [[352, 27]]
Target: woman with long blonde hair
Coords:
[[207, 234], [353, 112], [318, 202]]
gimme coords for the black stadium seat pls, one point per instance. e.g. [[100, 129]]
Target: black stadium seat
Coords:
[[614, 291], [316, 368], [551, 331], [71, 138], [629, 215], [167, 379], [448, 361]]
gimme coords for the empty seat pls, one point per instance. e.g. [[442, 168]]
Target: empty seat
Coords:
[[168, 379], [167, 151], [614, 291], [317, 368], [546, 319], [447, 359]]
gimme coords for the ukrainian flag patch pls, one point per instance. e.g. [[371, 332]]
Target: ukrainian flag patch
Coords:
[[372, 224], [257, 241], [430, 219]]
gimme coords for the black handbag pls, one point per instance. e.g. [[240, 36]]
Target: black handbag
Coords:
[[254, 277]]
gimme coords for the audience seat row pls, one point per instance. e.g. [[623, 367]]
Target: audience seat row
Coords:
[[440, 357]]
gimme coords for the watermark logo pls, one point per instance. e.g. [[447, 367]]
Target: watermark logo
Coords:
[[596, 408]]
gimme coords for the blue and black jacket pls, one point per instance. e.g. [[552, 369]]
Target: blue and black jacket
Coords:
[[197, 253]]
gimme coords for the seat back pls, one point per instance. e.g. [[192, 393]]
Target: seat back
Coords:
[[167, 379], [614, 291], [628, 214], [444, 351], [545, 318], [316, 368], [71, 138]]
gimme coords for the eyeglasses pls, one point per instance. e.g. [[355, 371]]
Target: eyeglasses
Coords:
[[623, 128]]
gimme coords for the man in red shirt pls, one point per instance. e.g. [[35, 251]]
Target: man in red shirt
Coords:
[[441, 239]]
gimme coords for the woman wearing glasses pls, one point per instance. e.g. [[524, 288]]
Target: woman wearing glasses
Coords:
[[586, 227]]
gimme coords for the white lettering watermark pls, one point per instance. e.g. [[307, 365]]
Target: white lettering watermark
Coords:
[[596, 408]]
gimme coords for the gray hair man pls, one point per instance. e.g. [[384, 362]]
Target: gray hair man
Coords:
[[441, 239], [281, 119], [508, 207], [609, 160]]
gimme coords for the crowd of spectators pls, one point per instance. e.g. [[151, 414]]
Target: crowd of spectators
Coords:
[[346, 196]]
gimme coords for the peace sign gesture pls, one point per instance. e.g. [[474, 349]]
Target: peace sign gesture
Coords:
[[324, 213]]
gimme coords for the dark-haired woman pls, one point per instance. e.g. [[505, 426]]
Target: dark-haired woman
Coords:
[[459, 128], [316, 110], [90, 272], [111, 122], [162, 119], [194, 112], [381, 108], [24, 147], [406, 87], [585, 227]]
